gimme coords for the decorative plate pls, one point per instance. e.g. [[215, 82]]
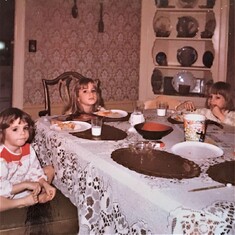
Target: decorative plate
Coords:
[[184, 78], [187, 56], [156, 81], [208, 59], [156, 163], [197, 151], [186, 3], [162, 25], [161, 58], [161, 3], [187, 26], [209, 29]]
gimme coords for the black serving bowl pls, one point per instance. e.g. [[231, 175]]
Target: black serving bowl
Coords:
[[153, 130]]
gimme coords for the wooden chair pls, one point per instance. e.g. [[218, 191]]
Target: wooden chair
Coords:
[[152, 104], [63, 83]]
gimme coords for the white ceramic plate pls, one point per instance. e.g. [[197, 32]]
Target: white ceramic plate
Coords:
[[71, 126], [113, 113], [196, 151]]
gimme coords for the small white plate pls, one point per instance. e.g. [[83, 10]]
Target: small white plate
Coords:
[[196, 151], [113, 113], [79, 126]]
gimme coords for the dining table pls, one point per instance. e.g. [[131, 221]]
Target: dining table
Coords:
[[114, 199]]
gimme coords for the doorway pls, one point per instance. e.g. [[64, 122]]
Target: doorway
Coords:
[[7, 11]]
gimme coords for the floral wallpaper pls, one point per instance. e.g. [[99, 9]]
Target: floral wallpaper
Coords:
[[65, 43]]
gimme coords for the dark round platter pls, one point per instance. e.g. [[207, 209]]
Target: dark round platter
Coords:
[[156, 163]]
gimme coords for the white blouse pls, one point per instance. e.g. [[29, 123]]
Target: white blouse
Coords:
[[17, 168]]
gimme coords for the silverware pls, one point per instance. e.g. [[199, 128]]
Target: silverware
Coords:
[[211, 187], [75, 9], [101, 22]]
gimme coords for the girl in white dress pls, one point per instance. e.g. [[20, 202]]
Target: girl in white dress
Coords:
[[22, 179], [219, 104]]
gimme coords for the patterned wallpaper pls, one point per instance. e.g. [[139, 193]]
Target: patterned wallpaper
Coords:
[[65, 43]]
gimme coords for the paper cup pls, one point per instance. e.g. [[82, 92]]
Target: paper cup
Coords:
[[194, 127]]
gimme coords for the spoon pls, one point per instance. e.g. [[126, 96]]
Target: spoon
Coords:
[[101, 22], [75, 9]]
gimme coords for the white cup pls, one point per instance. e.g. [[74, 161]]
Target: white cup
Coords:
[[136, 118], [96, 126], [194, 127]]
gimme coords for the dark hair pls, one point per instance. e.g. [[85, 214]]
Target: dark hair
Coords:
[[224, 89], [8, 116], [74, 106]]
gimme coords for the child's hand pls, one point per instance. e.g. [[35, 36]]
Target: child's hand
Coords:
[[47, 194], [50, 191], [217, 112], [33, 186], [188, 105]]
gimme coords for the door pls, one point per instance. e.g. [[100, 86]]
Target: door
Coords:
[[7, 9]]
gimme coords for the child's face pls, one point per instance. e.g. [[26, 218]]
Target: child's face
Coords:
[[16, 135], [87, 96], [216, 100]]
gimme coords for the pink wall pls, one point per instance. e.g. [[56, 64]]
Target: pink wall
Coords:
[[65, 43]]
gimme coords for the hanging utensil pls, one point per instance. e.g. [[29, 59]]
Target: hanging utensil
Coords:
[[75, 9], [101, 22]]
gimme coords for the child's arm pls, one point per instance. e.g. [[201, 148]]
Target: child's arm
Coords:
[[33, 186], [188, 105], [7, 203]]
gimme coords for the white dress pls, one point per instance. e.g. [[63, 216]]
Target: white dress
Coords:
[[16, 168], [229, 116]]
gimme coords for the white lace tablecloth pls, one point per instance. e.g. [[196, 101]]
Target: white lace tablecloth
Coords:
[[112, 199]]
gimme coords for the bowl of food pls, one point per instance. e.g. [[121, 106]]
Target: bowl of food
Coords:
[[153, 130]]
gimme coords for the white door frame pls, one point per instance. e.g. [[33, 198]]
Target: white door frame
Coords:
[[19, 54]]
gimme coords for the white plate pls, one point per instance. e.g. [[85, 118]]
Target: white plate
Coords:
[[79, 126], [196, 151], [113, 113]]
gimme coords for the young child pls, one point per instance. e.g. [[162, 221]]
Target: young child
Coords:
[[85, 97], [219, 104], [22, 180]]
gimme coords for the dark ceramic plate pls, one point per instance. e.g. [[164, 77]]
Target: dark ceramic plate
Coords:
[[223, 172], [161, 58], [156, 163], [187, 26], [108, 133], [187, 3], [161, 3], [209, 29], [162, 25], [156, 81], [208, 59], [187, 56]]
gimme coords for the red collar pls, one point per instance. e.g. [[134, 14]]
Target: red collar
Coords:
[[11, 157]]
